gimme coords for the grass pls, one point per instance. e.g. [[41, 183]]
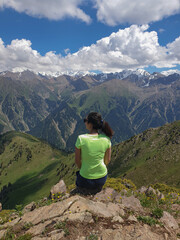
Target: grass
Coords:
[[147, 220], [40, 171], [63, 226], [92, 236], [150, 157]]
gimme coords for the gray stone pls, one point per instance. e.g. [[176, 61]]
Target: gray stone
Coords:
[[107, 194], [2, 232], [56, 234], [118, 219], [98, 208], [59, 188], [12, 223], [30, 207], [40, 238], [132, 218], [132, 232], [132, 203], [169, 221], [143, 189], [150, 190], [84, 217], [48, 212], [38, 229]]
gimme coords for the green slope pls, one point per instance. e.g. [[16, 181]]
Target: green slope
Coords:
[[29, 168], [150, 157]]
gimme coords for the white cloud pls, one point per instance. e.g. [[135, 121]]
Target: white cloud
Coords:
[[54, 10], [114, 12], [129, 48], [174, 50]]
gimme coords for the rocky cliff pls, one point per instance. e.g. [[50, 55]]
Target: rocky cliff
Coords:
[[106, 215]]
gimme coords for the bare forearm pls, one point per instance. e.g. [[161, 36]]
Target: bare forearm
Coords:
[[107, 156], [78, 163], [78, 157]]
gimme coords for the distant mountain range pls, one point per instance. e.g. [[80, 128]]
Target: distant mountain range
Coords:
[[52, 107]]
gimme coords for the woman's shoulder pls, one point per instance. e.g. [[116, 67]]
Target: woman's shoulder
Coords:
[[101, 135], [83, 135]]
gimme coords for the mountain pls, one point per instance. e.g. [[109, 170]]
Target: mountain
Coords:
[[150, 157], [29, 167], [23, 105], [130, 109], [52, 108]]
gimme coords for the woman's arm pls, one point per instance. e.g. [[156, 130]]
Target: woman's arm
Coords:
[[78, 157], [107, 156]]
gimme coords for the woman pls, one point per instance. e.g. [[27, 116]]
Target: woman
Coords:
[[93, 153]]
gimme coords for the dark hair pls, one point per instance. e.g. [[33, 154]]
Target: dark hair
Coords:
[[98, 123]]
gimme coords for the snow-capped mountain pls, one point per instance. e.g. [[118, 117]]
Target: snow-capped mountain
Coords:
[[140, 77], [170, 72]]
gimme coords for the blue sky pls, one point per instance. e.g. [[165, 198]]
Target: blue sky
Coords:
[[94, 35]]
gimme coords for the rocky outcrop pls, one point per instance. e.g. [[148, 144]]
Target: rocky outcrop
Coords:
[[59, 188], [107, 215]]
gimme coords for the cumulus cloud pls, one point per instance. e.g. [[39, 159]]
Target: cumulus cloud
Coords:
[[54, 10], [129, 48], [114, 12]]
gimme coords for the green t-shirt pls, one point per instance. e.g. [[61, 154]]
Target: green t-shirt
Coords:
[[93, 148]]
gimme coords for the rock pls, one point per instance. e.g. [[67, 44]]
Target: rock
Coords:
[[132, 218], [107, 194], [98, 208], [150, 191], [0, 207], [84, 217], [12, 223], [29, 207], [60, 187], [118, 198], [38, 229], [117, 219], [143, 189], [169, 221], [130, 232], [132, 203], [41, 238], [48, 212], [2, 232], [124, 192], [56, 234]]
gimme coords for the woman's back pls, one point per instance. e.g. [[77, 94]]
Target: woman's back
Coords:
[[93, 148]]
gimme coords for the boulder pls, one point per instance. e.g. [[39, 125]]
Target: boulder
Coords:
[[106, 195], [48, 212], [169, 221], [96, 208], [150, 191], [59, 188], [132, 218], [133, 231], [143, 189], [117, 219], [38, 229], [30, 207], [132, 203]]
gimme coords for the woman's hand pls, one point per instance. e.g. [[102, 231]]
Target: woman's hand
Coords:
[[78, 157], [107, 156]]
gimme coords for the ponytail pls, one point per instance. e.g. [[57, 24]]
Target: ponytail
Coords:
[[106, 129], [97, 122]]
